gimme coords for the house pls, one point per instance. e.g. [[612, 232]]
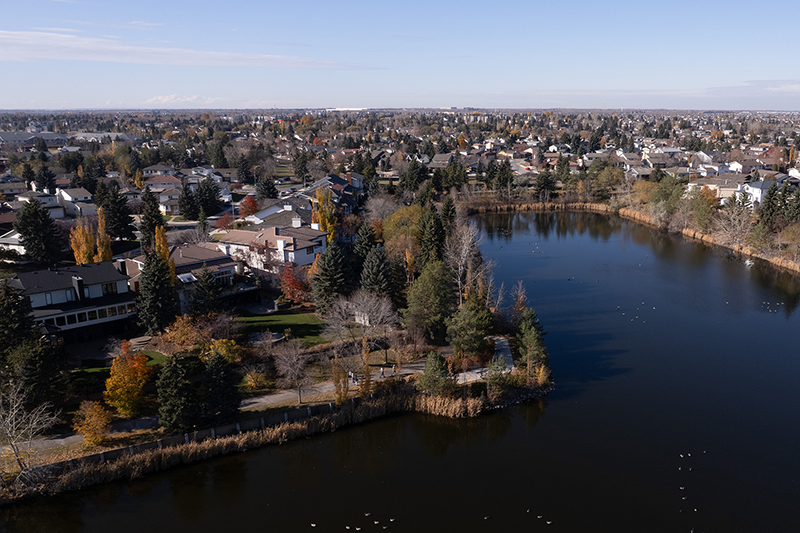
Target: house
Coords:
[[189, 260], [79, 296], [11, 185], [756, 190], [441, 161], [76, 202], [282, 212], [157, 170], [163, 182], [745, 166], [47, 201]]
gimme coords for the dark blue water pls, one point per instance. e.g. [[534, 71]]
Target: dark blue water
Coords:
[[659, 347]]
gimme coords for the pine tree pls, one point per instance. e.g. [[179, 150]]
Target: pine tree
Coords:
[[376, 276], [81, 241], [220, 390], [365, 242], [448, 213], [206, 294], [243, 173], [178, 401], [265, 188], [118, 219], [28, 174], [208, 196], [100, 194], [38, 234], [156, 302], [770, 208], [16, 322], [187, 203], [151, 218], [36, 369], [430, 299], [45, 180], [431, 237], [103, 239], [332, 278]]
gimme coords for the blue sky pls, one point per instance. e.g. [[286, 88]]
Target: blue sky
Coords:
[[58, 54]]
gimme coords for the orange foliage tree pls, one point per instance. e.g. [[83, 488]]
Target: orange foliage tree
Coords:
[[82, 242], [125, 386], [92, 422], [103, 239], [248, 206]]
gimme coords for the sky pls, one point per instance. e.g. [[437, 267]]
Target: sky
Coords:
[[618, 54]]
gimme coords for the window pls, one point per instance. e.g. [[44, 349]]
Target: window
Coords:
[[121, 310], [70, 294], [61, 321], [50, 321], [48, 298], [131, 308], [71, 319], [86, 292], [109, 288], [112, 311], [92, 315], [81, 317], [101, 313]]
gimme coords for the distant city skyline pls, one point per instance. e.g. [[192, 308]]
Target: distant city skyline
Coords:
[[74, 54]]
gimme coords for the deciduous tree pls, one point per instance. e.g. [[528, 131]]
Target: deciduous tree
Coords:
[[92, 422], [103, 239], [125, 386], [81, 241]]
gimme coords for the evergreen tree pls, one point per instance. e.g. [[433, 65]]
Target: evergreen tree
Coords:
[[16, 321], [431, 237], [243, 173], [156, 302], [770, 208], [332, 278], [220, 390], [206, 294], [467, 328], [45, 180], [35, 368], [187, 203], [365, 241], [448, 213], [28, 174], [119, 222], [151, 218], [434, 378], [178, 400], [101, 195], [43, 243], [376, 276], [430, 299], [265, 188], [208, 196]]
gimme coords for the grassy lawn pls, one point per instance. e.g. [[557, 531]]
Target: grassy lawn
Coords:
[[282, 171], [305, 326]]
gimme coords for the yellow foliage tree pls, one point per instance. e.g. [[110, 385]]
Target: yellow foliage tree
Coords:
[[137, 180], [103, 239], [326, 212], [124, 388], [228, 349], [92, 421], [82, 242], [184, 334], [162, 249]]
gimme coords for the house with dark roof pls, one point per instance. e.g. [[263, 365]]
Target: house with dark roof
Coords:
[[68, 298]]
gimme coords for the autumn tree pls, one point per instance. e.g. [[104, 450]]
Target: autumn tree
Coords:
[[291, 284], [248, 206], [92, 422], [81, 241], [225, 222], [103, 239], [324, 212], [125, 385]]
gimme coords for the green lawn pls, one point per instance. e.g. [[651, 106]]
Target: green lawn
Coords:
[[282, 171], [155, 358], [305, 326]]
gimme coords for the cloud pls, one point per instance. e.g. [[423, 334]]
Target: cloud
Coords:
[[173, 99], [788, 88], [30, 46], [58, 30]]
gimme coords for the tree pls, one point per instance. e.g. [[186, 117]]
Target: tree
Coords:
[[156, 302], [733, 221], [16, 322], [265, 188], [770, 208], [376, 276], [81, 241], [530, 339], [435, 377], [187, 203], [225, 222], [324, 213], [430, 299], [151, 218], [333, 277], [118, 219], [448, 215], [178, 399], [291, 361], [28, 174], [243, 172], [469, 325], [431, 237], [220, 390], [92, 421], [38, 234], [365, 241], [103, 239], [291, 284], [462, 255], [125, 386], [206, 294], [19, 425], [35, 368], [208, 196], [248, 206], [45, 180]]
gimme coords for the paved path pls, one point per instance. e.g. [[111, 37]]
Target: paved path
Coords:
[[502, 349]]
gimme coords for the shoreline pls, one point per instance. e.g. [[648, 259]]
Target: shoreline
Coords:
[[627, 213]]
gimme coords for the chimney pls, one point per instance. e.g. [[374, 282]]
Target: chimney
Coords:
[[297, 222], [315, 225], [77, 284], [121, 267]]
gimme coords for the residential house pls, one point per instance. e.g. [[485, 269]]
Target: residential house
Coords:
[[76, 202], [47, 201], [163, 182], [157, 170], [82, 296], [11, 185], [441, 161]]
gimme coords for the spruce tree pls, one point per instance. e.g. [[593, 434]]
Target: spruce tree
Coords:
[[206, 294], [28, 174], [119, 222], [265, 188], [430, 299], [431, 237], [35, 368], [178, 402], [151, 218], [208, 196], [770, 208], [156, 302], [187, 203], [448, 213], [38, 234], [16, 322], [101, 195], [332, 278], [45, 180], [365, 242], [243, 173], [220, 390], [376, 275]]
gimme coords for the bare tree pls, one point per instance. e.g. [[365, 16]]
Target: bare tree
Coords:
[[733, 223], [19, 426], [462, 255], [380, 207], [291, 361], [361, 314]]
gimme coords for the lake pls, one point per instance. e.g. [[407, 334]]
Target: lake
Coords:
[[676, 408]]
